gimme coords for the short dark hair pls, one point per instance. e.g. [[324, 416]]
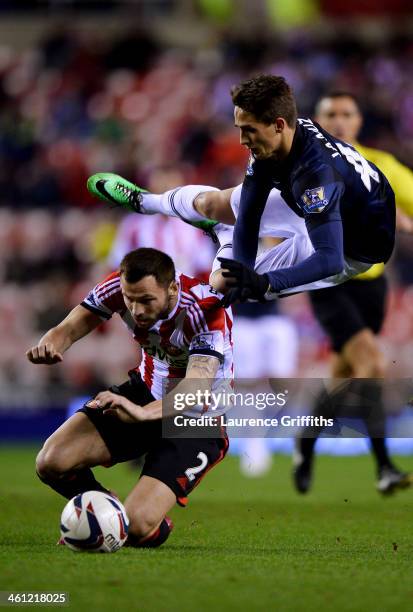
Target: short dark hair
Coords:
[[266, 97], [147, 262], [337, 93]]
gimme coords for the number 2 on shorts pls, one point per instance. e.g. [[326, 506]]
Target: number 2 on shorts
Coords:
[[192, 471]]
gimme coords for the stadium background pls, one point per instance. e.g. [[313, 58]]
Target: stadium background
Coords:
[[141, 88]]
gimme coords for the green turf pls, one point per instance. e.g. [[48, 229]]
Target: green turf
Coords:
[[240, 545]]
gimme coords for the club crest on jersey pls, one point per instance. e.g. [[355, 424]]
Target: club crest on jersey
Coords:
[[203, 341], [314, 200]]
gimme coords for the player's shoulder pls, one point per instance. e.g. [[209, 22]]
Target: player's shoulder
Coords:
[[106, 296], [110, 282], [196, 291], [109, 293], [314, 150]]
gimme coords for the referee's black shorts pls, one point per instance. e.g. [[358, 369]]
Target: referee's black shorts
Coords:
[[180, 463], [346, 309]]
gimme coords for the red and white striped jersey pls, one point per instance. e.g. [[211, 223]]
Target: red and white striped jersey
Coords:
[[198, 325]]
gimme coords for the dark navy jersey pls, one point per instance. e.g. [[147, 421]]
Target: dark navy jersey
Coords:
[[347, 203]]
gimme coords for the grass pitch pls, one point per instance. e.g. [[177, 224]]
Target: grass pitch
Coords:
[[240, 545]]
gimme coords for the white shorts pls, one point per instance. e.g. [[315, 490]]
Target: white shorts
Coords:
[[265, 347], [290, 252]]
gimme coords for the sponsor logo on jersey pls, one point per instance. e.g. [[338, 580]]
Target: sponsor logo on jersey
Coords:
[[314, 200], [167, 352], [203, 341]]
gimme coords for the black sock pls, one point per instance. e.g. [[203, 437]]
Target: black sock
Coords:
[[379, 450], [155, 540], [372, 410], [324, 406], [306, 447], [74, 483]]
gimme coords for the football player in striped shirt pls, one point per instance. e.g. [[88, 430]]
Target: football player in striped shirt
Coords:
[[185, 335]]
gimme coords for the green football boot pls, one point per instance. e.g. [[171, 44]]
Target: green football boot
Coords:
[[121, 192], [116, 190]]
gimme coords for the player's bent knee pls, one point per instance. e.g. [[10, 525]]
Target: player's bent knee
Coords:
[[364, 356], [204, 204], [50, 463], [371, 364], [378, 368]]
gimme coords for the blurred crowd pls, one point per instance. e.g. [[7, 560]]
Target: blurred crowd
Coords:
[[75, 104]]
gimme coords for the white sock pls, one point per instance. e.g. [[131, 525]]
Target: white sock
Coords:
[[177, 202], [224, 234]]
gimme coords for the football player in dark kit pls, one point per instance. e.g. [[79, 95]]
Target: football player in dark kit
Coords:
[[346, 202]]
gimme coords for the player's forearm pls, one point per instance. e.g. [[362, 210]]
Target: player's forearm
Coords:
[[327, 259], [200, 374], [153, 411], [59, 338], [321, 264], [78, 323], [166, 407]]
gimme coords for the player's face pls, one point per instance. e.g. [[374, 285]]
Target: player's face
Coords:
[[148, 301], [340, 117], [261, 139]]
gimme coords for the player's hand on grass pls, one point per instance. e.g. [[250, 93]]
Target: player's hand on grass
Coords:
[[118, 406], [242, 283], [44, 353]]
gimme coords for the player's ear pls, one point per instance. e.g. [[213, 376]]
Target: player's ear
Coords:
[[173, 288], [279, 125]]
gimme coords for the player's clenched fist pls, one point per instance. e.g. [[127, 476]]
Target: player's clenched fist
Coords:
[[44, 353]]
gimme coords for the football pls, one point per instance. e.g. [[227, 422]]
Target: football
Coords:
[[94, 521]]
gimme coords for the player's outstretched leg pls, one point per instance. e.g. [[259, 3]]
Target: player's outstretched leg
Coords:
[[389, 477], [115, 189], [303, 458], [147, 506], [65, 460], [177, 202]]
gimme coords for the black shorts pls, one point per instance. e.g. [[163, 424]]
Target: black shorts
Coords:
[[346, 309], [167, 459]]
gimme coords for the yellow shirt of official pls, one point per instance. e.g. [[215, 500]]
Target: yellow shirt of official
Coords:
[[401, 180]]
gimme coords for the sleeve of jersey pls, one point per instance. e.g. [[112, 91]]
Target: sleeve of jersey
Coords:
[[321, 207], [255, 190], [103, 299], [209, 341]]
